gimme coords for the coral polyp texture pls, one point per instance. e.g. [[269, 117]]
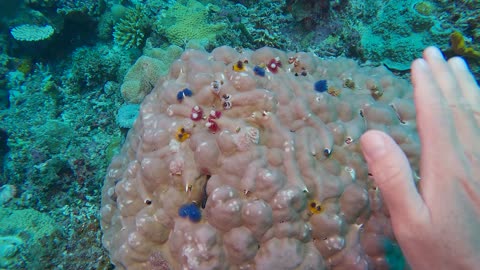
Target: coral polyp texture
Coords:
[[256, 170]]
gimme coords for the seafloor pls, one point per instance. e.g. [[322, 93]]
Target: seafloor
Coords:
[[63, 116]]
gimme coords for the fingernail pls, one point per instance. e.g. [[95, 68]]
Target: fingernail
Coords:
[[435, 52], [422, 64], [460, 63], [376, 149]]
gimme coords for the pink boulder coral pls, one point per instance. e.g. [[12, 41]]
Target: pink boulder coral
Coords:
[[270, 170]]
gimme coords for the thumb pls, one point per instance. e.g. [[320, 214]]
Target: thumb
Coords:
[[392, 174]]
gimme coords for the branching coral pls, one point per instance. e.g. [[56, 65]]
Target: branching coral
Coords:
[[92, 66], [88, 7], [263, 24], [132, 29]]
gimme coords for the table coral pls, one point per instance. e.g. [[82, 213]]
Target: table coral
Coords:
[[29, 32], [184, 22], [279, 184]]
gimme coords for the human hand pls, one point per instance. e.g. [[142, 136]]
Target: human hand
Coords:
[[438, 225]]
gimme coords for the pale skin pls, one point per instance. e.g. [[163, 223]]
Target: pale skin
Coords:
[[437, 225]]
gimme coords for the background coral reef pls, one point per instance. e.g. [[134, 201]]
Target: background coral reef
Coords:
[[60, 96]]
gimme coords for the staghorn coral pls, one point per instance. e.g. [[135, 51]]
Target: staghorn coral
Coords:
[[254, 170]]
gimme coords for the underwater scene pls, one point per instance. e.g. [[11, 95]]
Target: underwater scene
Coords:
[[209, 134]]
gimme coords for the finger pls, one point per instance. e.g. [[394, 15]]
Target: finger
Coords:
[[446, 80], [392, 174], [466, 81], [442, 74], [435, 126], [467, 122]]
